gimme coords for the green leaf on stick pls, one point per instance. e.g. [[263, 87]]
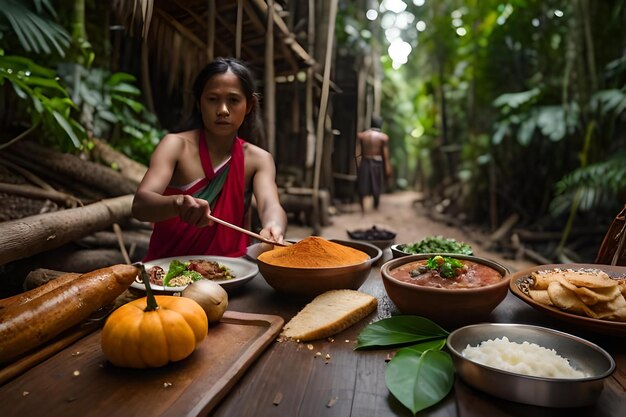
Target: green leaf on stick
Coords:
[[399, 330]]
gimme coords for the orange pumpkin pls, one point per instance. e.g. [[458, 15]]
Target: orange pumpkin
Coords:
[[153, 331]]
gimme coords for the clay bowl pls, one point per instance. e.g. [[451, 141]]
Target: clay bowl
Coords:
[[446, 307], [314, 281]]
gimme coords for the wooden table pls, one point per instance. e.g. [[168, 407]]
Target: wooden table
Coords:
[[289, 380]]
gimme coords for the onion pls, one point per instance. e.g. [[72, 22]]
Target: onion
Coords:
[[211, 296]]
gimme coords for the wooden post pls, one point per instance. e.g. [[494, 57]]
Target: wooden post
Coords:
[[361, 95], [210, 32], [269, 97], [145, 75], [239, 29], [319, 145], [310, 79]]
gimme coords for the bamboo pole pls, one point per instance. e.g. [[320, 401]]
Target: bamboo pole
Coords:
[[332, 14], [239, 29], [270, 87], [310, 129], [210, 32]]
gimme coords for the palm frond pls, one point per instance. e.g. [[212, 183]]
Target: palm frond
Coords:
[[598, 183], [34, 32]]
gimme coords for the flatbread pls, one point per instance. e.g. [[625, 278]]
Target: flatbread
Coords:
[[540, 296], [589, 278], [596, 295], [586, 292], [567, 299], [609, 308], [542, 279]]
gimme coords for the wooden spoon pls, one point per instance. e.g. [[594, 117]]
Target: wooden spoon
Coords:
[[246, 231]]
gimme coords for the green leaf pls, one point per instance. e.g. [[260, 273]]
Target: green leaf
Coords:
[[526, 131], [399, 330], [34, 32], [420, 348], [125, 88], [21, 63], [67, 127], [515, 100], [107, 116], [120, 77], [420, 380], [47, 83], [135, 105], [176, 268]]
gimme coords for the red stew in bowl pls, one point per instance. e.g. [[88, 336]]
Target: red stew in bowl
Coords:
[[472, 275]]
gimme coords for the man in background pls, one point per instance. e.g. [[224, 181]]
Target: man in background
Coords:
[[373, 164]]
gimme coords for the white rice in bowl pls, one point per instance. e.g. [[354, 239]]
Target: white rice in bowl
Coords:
[[522, 358]]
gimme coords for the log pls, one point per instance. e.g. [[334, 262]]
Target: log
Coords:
[[106, 239], [536, 257], [69, 258], [541, 236], [503, 230], [57, 180], [35, 234], [129, 168], [112, 183], [40, 276], [39, 193]]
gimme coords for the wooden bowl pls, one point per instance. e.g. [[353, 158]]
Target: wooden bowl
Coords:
[[446, 307], [314, 281]]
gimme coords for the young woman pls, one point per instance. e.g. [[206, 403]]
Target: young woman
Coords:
[[210, 170]]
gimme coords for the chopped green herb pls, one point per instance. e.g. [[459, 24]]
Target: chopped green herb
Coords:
[[437, 244], [446, 267]]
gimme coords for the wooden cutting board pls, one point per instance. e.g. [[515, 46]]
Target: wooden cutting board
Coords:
[[78, 381]]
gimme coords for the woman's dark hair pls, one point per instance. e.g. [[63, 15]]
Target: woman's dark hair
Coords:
[[247, 130]]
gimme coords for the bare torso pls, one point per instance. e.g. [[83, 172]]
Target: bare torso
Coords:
[[373, 142], [191, 170]]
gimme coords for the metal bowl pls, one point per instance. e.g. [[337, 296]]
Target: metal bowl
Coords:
[[548, 392], [397, 252], [380, 237], [314, 281]]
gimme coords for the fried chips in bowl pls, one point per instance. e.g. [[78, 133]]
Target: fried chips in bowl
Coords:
[[586, 292]]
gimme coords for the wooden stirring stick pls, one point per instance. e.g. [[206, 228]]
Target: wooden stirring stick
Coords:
[[245, 231]]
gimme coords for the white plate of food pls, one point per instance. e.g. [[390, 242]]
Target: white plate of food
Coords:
[[230, 273]]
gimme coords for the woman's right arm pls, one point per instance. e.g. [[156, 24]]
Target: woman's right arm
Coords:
[[150, 204]]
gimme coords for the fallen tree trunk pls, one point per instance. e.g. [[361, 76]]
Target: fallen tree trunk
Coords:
[[40, 276], [93, 174], [69, 258], [58, 181], [129, 168], [39, 193], [106, 239], [35, 234]]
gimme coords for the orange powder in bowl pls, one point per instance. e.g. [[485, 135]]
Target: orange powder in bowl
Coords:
[[313, 252]]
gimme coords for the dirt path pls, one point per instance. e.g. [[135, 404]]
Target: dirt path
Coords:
[[398, 212]]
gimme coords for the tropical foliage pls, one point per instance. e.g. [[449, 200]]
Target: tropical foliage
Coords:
[[66, 98], [510, 106]]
